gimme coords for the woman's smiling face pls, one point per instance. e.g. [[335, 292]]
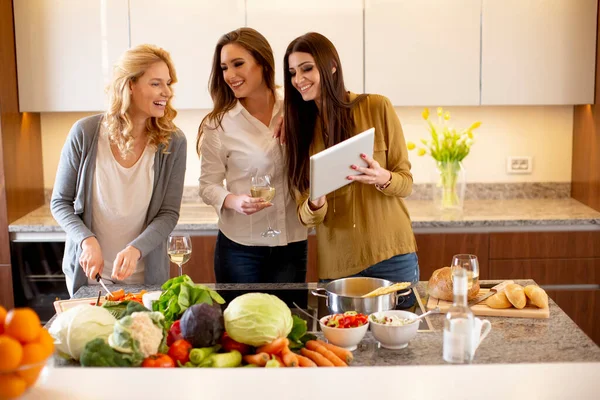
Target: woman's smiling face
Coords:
[[305, 75]]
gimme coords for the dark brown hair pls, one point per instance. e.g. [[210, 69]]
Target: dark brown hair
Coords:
[[301, 116], [221, 94]]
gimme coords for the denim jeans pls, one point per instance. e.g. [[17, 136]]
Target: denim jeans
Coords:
[[236, 263], [400, 268]]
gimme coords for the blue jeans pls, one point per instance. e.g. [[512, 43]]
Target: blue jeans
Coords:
[[400, 268], [236, 263]]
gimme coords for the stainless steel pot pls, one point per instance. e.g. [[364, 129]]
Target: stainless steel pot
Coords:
[[345, 295]]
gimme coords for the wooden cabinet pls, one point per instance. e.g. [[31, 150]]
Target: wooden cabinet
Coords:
[[538, 52], [436, 251], [423, 52], [201, 266], [189, 30], [341, 21], [520, 245], [66, 50]]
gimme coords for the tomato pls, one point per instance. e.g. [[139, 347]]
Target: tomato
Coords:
[[229, 344], [174, 333], [158, 361], [180, 351]]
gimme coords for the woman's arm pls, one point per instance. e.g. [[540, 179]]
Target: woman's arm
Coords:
[[165, 221], [212, 171], [397, 154], [65, 185], [312, 213]]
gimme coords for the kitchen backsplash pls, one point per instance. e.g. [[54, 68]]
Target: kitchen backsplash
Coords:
[[544, 133]]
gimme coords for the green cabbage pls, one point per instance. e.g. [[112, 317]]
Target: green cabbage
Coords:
[[75, 327], [257, 319]]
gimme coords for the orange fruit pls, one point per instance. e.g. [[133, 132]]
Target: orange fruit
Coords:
[[47, 341], [33, 353], [22, 324], [11, 386], [2, 318], [11, 353]]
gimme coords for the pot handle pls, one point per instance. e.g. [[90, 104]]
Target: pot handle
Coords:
[[317, 293], [400, 295]]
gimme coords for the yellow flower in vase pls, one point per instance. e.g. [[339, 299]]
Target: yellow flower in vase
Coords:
[[448, 147]]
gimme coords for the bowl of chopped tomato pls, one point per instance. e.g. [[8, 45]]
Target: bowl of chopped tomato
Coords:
[[345, 330]]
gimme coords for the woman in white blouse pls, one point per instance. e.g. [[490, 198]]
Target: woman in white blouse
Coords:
[[235, 140]]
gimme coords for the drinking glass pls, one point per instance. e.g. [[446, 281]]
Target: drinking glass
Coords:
[[470, 263], [179, 248], [262, 188]]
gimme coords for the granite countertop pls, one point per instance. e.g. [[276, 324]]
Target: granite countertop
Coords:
[[511, 340], [477, 214]]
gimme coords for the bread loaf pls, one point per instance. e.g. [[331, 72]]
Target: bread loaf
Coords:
[[499, 300], [440, 285], [537, 295], [516, 295]]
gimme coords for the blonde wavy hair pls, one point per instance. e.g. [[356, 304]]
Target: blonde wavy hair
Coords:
[[130, 67]]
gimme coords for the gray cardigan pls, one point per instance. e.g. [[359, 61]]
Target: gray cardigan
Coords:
[[71, 202]]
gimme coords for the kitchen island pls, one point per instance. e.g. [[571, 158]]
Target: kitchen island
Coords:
[[536, 358]]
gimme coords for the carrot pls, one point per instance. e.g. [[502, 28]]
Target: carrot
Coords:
[[343, 354], [316, 357], [116, 295], [289, 359], [319, 348], [274, 347], [305, 361], [279, 360], [259, 359]]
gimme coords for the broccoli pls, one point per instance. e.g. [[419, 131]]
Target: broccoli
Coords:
[[97, 353]]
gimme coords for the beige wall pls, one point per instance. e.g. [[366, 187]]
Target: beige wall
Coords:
[[544, 133]]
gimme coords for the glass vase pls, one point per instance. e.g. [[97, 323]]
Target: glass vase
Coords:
[[449, 185]]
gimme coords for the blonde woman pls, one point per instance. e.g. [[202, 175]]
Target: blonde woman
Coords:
[[120, 178]]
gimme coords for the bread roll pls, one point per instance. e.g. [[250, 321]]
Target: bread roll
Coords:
[[537, 295], [516, 295], [499, 300], [440, 285]]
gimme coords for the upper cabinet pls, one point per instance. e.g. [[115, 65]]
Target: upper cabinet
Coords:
[[423, 52], [341, 21], [66, 50], [538, 52], [189, 30]]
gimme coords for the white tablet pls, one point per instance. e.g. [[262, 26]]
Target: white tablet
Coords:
[[330, 168]]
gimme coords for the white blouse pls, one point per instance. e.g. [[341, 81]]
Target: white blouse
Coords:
[[231, 154]]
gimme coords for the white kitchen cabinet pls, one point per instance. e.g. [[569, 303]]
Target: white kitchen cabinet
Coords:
[[339, 20], [189, 30], [66, 50], [423, 52], [538, 51]]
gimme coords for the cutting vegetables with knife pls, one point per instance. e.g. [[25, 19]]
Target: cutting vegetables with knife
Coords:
[[120, 178]]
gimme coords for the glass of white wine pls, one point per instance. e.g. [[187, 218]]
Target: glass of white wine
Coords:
[[470, 264], [261, 188], [179, 248]]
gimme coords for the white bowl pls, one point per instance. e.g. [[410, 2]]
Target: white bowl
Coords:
[[347, 338], [394, 337], [149, 298]]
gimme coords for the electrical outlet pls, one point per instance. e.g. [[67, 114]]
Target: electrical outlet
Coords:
[[518, 165]]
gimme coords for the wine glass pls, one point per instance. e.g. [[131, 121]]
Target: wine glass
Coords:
[[470, 264], [179, 248], [262, 188]]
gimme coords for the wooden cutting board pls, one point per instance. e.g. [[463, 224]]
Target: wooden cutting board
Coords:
[[64, 305], [484, 310]]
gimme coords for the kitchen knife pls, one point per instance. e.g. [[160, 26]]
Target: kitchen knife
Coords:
[[99, 279], [498, 288]]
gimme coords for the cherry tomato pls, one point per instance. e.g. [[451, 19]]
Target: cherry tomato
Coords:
[[180, 351], [174, 333], [158, 361]]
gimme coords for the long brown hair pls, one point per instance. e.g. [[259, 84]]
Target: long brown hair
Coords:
[[301, 116], [221, 94]]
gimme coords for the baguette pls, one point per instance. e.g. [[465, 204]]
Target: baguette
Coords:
[[537, 295], [499, 300], [516, 295]]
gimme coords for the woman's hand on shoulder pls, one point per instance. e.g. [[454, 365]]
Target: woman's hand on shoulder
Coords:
[[91, 259], [374, 174], [245, 204], [280, 131]]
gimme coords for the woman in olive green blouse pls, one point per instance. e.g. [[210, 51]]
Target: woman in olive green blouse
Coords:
[[363, 229]]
